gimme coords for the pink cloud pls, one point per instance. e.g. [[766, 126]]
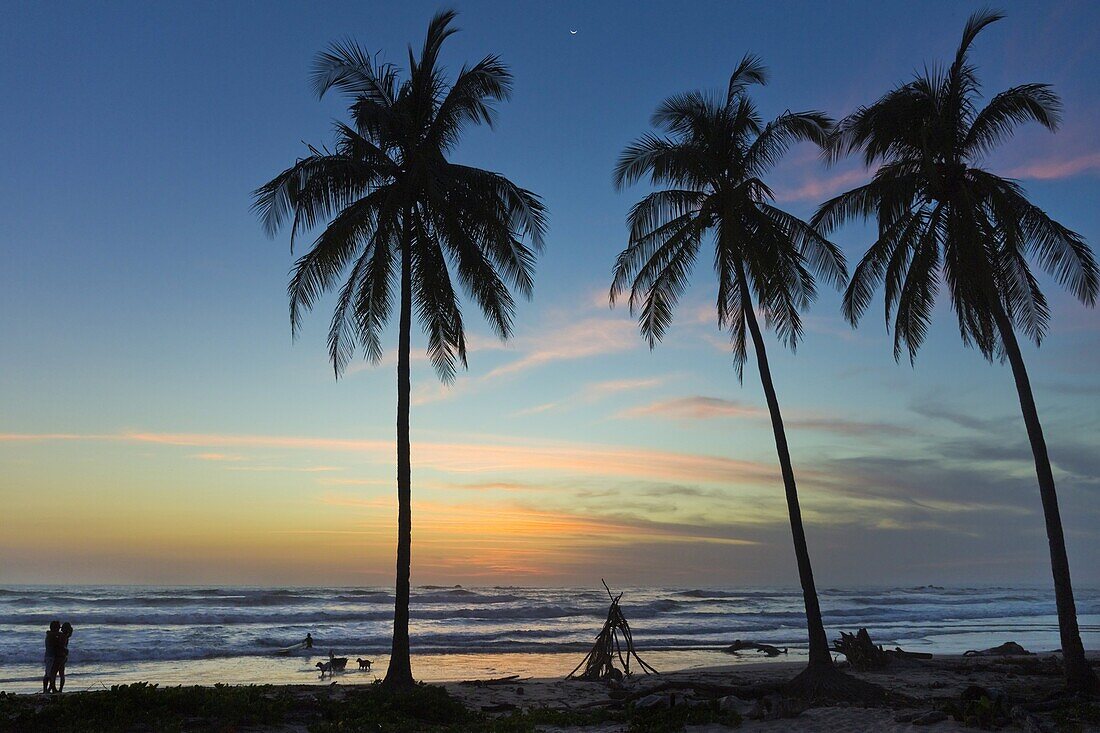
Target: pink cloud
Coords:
[[466, 458], [710, 408], [819, 189], [599, 390], [586, 338], [695, 408], [1049, 170], [217, 457], [49, 437]]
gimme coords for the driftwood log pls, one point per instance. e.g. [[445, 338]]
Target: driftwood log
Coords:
[[740, 646], [615, 640], [1008, 649], [902, 654], [495, 681]]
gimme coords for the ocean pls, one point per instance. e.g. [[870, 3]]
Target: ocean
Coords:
[[193, 635]]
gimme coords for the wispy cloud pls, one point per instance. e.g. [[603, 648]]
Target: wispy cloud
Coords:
[[711, 408], [599, 390], [52, 437], [435, 391], [583, 339], [578, 339], [595, 392], [844, 426], [937, 411], [1055, 169], [536, 409], [468, 457], [217, 457], [355, 482], [823, 186], [695, 408], [285, 469]]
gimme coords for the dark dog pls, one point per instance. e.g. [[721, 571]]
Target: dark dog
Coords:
[[334, 664], [364, 664]]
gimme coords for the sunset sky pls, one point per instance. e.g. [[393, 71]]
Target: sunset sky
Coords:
[[159, 425]]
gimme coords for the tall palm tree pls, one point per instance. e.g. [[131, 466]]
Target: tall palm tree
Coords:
[[941, 215], [393, 201], [708, 166]]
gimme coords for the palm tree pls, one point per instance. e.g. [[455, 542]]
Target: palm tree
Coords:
[[393, 201], [940, 215], [707, 167]]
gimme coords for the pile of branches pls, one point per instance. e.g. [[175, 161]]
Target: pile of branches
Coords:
[[614, 641], [862, 653]]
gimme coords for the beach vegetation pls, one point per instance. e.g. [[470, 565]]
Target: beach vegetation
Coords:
[[377, 707]]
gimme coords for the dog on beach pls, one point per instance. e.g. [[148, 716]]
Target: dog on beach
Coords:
[[333, 665], [364, 664]]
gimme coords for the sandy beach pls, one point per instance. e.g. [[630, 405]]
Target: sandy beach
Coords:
[[929, 685], [922, 695]]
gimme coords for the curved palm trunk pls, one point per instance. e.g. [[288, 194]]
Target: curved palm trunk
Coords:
[[1079, 675], [819, 645], [399, 673]]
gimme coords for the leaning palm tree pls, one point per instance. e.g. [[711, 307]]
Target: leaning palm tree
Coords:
[[398, 212], [940, 215], [708, 166]]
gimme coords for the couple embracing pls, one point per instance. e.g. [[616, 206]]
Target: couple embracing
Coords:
[[57, 654]]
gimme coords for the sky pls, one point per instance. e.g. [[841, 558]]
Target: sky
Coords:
[[158, 424]]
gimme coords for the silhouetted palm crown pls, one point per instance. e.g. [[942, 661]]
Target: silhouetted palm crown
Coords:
[[387, 185], [939, 213], [711, 160]]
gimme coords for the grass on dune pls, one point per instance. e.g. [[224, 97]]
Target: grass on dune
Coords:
[[142, 706]]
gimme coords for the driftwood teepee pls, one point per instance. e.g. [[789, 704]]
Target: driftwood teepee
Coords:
[[599, 664]]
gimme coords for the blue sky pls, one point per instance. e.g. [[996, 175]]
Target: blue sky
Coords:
[[157, 415]]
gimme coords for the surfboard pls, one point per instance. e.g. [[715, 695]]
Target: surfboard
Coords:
[[287, 651]]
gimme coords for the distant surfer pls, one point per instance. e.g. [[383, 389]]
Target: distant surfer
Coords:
[[306, 643]]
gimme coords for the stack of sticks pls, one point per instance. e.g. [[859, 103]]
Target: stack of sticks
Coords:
[[613, 641]]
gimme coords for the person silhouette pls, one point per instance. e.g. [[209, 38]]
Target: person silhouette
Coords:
[[309, 640], [62, 654], [53, 637]]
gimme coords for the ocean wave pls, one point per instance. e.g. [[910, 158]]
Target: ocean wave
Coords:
[[127, 624]]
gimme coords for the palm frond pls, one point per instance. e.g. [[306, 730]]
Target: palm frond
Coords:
[[750, 70], [437, 303], [823, 257], [469, 100], [916, 293], [351, 69], [776, 138], [996, 122], [974, 25]]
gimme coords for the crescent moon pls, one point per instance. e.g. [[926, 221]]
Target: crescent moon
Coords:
[[572, 33]]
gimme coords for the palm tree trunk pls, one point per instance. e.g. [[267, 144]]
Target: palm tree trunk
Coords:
[[1079, 675], [819, 645], [399, 673]]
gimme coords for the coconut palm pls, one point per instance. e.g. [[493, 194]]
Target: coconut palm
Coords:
[[708, 166], [398, 213], [940, 215]]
